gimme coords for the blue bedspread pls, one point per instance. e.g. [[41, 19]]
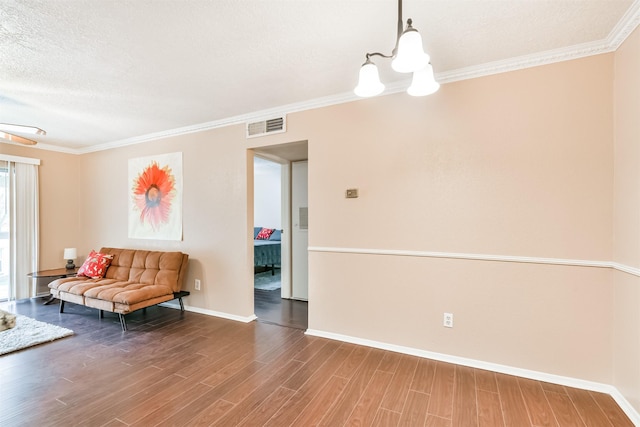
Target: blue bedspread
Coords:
[[266, 252]]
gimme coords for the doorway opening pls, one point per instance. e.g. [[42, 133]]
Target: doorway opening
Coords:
[[280, 259]]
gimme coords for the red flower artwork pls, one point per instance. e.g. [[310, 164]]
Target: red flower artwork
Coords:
[[153, 191]]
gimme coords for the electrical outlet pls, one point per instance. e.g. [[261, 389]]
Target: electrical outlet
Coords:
[[197, 284], [448, 320]]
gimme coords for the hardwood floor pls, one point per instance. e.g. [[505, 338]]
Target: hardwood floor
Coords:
[[270, 307], [190, 369]]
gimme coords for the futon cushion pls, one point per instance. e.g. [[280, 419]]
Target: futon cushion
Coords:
[[146, 267]]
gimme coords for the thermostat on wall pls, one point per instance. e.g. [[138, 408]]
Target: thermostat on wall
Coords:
[[352, 193]]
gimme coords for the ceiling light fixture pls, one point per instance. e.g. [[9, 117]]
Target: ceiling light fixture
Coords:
[[6, 129], [407, 56]]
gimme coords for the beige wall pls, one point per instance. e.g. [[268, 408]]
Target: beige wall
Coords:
[[517, 164], [59, 201], [215, 228], [512, 164], [626, 328]]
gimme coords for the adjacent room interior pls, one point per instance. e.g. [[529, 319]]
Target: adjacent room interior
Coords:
[[280, 259], [478, 244]]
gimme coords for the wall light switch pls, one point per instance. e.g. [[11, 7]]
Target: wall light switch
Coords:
[[352, 193]]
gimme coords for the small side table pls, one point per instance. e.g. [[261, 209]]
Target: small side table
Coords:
[[55, 273]]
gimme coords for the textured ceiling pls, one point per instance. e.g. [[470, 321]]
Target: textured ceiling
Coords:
[[96, 73]]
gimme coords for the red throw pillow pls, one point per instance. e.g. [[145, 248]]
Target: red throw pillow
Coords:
[[264, 234], [95, 266]]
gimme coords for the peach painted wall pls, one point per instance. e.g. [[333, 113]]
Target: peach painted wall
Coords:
[[59, 201], [626, 330], [513, 164], [516, 164], [215, 220]]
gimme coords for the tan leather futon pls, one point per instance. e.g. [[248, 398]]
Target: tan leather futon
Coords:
[[135, 279]]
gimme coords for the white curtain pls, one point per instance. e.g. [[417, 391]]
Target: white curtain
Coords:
[[24, 240]]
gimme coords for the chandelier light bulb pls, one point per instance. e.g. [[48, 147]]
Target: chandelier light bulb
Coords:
[[410, 56], [423, 82], [369, 81]]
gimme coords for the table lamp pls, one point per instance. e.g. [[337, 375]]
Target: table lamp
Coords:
[[70, 254]]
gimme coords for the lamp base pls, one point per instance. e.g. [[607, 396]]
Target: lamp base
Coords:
[[70, 265]]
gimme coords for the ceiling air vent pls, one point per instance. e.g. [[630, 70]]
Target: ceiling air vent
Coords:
[[266, 127]]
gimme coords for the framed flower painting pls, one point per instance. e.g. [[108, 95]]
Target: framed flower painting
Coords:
[[155, 197]]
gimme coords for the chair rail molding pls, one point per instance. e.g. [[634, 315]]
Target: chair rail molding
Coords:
[[481, 257]]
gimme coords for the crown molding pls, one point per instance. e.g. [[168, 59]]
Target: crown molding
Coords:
[[41, 146], [629, 21], [56, 148], [526, 61], [230, 121], [623, 29]]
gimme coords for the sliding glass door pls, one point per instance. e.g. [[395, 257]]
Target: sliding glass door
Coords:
[[4, 231]]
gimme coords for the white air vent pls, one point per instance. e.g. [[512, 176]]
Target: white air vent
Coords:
[[267, 127]]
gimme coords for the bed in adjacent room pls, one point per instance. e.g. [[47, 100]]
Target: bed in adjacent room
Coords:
[[266, 247]]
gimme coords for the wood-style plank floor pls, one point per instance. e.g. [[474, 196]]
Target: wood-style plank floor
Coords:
[[270, 307], [174, 369]]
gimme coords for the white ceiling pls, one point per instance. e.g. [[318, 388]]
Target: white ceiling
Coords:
[[101, 73]]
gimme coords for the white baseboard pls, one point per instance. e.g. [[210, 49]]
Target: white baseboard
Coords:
[[504, 369], [221, 314], [624, 404]]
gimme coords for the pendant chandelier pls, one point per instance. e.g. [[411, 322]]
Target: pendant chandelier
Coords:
[[407, 56]]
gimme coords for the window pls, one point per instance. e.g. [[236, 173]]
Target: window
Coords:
[[4, 230], [19, 234]]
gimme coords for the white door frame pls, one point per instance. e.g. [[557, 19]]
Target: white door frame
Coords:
[[286, 263]]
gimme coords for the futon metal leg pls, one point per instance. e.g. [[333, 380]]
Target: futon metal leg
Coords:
[[100, 314], [123, 322], [181, 304], [61, 306]]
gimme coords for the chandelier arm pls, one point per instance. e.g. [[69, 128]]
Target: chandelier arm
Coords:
[[379, 54], [400, 31]]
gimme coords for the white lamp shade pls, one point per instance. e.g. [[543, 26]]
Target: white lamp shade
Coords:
[[423, 82], [410, 56], [369, 81], [70, 253]]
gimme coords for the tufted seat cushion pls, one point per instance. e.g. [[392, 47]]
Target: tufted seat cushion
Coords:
[[146, 267]]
